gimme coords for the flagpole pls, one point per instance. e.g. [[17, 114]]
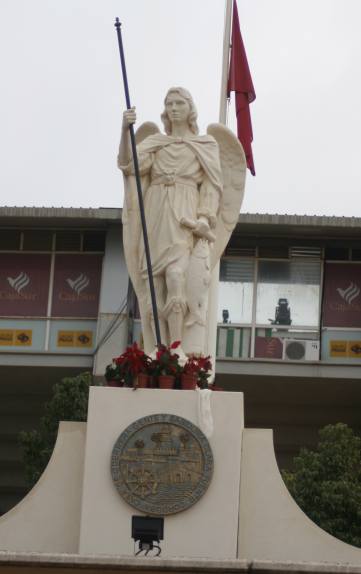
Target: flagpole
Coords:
[[213, 288], [225, 61]]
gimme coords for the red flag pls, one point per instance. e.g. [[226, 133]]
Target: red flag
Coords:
[[240, 82]]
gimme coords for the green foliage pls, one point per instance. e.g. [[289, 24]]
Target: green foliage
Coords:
[[68, 403], [326, 483]]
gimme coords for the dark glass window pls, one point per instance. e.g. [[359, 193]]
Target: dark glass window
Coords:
[[356, 255], [274, 252], [94, 241], [9, 240], [37, 240], [337, 253], [68, 240]]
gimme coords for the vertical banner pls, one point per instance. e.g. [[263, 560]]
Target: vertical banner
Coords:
[[342, 295], [240, 82], [24, 284], [76, 285]]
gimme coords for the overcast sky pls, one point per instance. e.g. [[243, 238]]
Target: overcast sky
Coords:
[[62, 95]]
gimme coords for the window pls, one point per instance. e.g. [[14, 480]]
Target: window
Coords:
[[356, 255], [235, 297], [37, 240], [68, 240], [9, 240], [337, 253], [273, 251], [288, 293], [94, 241]]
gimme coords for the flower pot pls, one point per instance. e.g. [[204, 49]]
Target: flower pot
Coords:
[[114, 383], [142, 381], [189, 381], [166, 381], [152, 382]]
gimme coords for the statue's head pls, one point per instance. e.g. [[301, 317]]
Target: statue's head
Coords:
[[192, 117]]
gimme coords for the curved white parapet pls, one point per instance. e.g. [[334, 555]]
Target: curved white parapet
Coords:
[[271, 525], [48, 518]]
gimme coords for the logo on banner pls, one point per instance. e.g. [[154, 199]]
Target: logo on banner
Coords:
[[24, 284], [76, 285], [350, 293], [79, 284], [18, 283]]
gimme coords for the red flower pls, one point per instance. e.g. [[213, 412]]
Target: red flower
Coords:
[[191, 366], [205, 363], [200, 366], [167, 362], [130, 363]]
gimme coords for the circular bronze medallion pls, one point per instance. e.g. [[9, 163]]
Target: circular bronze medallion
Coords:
[[162, 464]]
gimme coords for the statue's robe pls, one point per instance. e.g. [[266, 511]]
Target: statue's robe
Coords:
[[181, 179]]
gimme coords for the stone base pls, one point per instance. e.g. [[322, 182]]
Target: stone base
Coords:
[[206, 530], [245, 516]]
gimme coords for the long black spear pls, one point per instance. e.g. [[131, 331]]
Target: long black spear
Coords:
[[139, 187]]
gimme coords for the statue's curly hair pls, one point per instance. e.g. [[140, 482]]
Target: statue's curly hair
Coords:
[[192, 118]]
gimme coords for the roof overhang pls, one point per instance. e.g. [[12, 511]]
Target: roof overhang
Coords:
[[249, 224], [311, 226], [101, 217]]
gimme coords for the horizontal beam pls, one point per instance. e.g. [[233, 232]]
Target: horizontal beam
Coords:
[[290, 369], [46, 360]]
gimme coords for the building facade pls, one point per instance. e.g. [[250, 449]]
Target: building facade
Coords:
[[289, 319], [63, 298]]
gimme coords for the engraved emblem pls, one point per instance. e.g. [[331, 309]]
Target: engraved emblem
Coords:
[[162, 464]]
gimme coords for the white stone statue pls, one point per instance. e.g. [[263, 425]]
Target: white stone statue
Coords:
[[192, 187]]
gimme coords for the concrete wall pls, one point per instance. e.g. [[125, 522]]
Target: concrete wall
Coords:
[[271, 525], [246, 513], [48, 518]]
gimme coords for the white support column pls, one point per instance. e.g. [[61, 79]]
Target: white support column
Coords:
[[50, 293], [213, 288], [225, 62]]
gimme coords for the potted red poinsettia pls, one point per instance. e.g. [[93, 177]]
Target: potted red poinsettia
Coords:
[[165, 367], [205, 371], [189, 377], [130, 369], [196, 371]]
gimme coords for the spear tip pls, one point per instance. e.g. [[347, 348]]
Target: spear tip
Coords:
[[117, 23]]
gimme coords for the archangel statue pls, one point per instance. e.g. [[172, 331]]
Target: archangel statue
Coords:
[[192, 187]]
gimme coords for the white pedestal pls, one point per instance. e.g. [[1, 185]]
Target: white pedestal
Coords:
[[206, 530]]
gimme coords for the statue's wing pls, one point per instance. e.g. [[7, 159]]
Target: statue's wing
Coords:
[[233, 166], [132, 235], [145, 130]]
